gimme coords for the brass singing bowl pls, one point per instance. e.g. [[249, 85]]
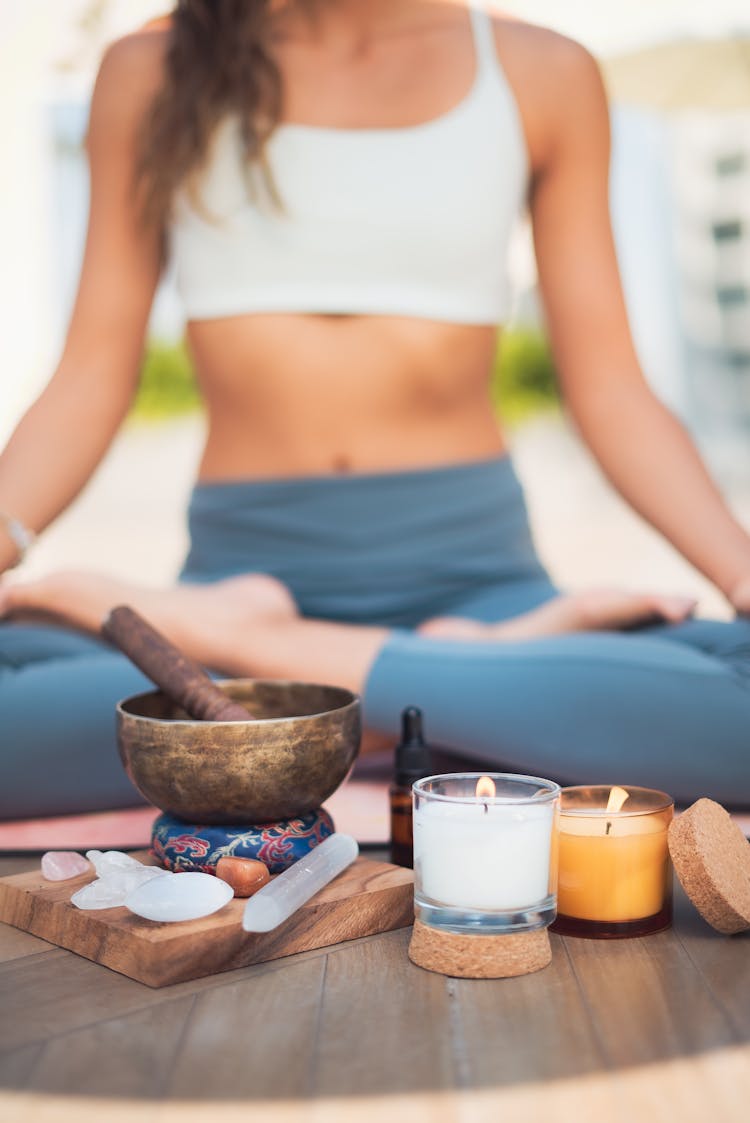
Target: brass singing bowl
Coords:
[[286, 762]]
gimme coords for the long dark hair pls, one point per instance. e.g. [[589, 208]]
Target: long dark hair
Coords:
[[218, 62]]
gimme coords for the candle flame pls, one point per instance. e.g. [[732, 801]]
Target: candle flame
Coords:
[[485, 788], [616, 799]]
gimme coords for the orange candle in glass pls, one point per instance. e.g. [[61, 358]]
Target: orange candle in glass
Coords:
[[615, 875]]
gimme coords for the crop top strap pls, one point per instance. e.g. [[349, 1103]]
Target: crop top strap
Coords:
[[484, 38]]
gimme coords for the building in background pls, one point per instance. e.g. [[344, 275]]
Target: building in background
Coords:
[[711, 176], [680, 201], [697, 99]]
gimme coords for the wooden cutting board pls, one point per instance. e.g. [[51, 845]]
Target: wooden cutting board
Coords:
[[367, 898]]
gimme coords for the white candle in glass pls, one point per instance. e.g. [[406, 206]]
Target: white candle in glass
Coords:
[[484, 854]]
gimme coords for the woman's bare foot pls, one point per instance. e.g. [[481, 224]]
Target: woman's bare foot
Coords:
[[591, 610], [219, 624]]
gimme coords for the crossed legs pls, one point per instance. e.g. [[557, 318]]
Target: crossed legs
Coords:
[[553, 691]]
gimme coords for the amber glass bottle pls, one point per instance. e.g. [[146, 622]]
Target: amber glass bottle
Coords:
[[412, 762]]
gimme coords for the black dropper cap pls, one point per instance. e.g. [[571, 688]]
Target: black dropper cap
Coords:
[[413, 758]]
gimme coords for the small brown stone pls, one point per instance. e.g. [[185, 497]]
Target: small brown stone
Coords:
[[245, 875]]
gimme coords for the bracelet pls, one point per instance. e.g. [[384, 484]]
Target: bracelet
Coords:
[[20, 535]]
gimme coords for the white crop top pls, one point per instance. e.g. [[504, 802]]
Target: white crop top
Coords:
[[411, 221]]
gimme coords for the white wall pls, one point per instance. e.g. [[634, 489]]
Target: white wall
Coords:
[[35, 35], [642, 208], [26, 282]]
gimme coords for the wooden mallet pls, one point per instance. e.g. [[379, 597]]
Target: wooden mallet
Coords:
[[180, 677]]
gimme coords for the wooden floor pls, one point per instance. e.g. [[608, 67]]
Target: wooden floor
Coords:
[[654, 1029]]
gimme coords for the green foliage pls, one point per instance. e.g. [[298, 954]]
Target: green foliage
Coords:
[[167, 387], [523, 381]]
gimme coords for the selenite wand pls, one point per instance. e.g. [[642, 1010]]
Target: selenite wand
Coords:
[[275, 902]]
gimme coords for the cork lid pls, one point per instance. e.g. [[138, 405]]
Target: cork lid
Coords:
[[711, 857]]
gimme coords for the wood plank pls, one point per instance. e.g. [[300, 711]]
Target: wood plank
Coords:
[[15, 944], [647, 1001], [587, 1099], [252, 1039], [43, 996], [16, 1066], [38, 1107], [44, 1109], [383, 1025], [722, 961], [680, 1089], [537, 1023], [128, 1056], [360, 1033], [368, 897], [714, 1085]]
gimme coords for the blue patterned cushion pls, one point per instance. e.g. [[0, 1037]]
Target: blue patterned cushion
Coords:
[[185, 846]]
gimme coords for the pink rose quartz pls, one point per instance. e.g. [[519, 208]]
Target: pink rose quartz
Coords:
[[59, 865]]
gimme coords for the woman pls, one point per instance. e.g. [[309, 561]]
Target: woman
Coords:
[[336, 183]]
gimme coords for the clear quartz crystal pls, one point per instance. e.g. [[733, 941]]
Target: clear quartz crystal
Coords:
[[186, 896], [275, 902], [110, 861], [119, 875]]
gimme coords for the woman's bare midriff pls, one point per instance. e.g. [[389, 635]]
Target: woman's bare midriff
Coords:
[[297, 395]]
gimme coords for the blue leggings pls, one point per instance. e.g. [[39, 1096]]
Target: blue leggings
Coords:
[[666, 707]]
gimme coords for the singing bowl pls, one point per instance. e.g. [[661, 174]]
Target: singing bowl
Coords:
[[284, 763]]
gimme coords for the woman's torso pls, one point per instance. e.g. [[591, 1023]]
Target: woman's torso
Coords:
[[292, 393]]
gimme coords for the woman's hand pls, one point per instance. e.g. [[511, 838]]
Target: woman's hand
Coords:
[[739, 597], [8, 552]]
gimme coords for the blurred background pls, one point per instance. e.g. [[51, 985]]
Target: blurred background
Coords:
[[679, 80]]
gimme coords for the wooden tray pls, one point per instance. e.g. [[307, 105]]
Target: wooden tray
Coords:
[[367, 898]]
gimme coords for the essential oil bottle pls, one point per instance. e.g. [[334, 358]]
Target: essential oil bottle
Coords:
[[412, 762]]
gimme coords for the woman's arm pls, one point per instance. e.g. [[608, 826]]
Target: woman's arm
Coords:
[[640, 445], [65, 433]]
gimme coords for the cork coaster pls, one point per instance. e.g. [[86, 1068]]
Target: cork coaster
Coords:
[[479, 957], [712, 860]]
